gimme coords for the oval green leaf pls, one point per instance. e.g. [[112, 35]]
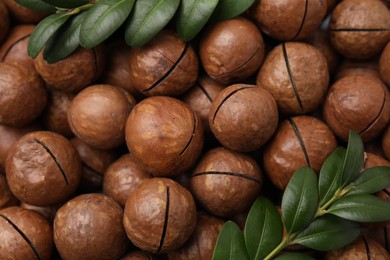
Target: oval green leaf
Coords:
[[354, 158], [330, 179], [263, 229], [192, 16], [227, 9], [371, 180], [102, 20], [43, 31], [361, 208], [328, 233], [294, 256], [300, 200], [65, 41], [36, 5], [67, 3], [230, 243], [147, 19]]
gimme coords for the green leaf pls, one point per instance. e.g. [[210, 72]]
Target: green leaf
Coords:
[[371, 180], [65, 41], [354, 158], [147, 19], [227, 9], [230, 243], [300, 200], [328, 233], [102, 20], [192, 16], [43, 31], [330, 178], [263, 229], [67, 3], [361, 208], [294, 256], [36, 5]]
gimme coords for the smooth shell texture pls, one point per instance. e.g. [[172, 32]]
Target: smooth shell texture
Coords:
[[384, 65], [296, 74], [243, 117], [164, 135], [90, 227], [160, 215], [23, 14], [43, 168], [231, 50], [7, 199], [226, 182]]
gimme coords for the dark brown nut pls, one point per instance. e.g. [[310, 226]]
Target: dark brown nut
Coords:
[[243, 117], [360, 29], [166, 65], [7, 199], [43, 168], [118, 68], [73, 73], [24, 235], [357, 103], [200, 97], [48, 212], [23, 14], [15, 45], [288, 20], [160, 215], [4, 21], [98, 115], [164, 135], [363, 248], [55, 115], [137, 255], [90, 227], [94, 164], [369, 68], [122, 178], [386, 142], [22, 94], [232, 50], [9, 135], [226, 182], [331, 4], [384, 65], [202, 242], [299, 141], [379, 234], [373, 160], [297, 76]]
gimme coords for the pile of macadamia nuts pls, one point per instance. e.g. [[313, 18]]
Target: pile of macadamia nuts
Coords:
[[121, 153]]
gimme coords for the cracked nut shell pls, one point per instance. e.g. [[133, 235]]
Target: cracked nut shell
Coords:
[[384, 65]]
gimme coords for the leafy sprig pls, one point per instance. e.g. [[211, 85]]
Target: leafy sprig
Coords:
[[88, 23], [321, 214]]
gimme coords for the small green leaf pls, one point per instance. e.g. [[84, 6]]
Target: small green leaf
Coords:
[[192, 16], [230, 243], [102, 20], [300, 200], [330, 175], [147, 19], [294, 256], [37, 5], [263, 229], [67, 3], [65, 41], [44, 30], [371, 180], [361, 208], [328, 233], [227, 9], [354, 158]]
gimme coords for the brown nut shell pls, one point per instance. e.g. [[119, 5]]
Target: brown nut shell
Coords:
[[384, 65], [4, 21], [299, 141], [226, 182], [359, 103], [98, 115], [7, 199], [43, 168], [296, 74], [166, 65], [243, 117], [90, 227], [164, 135], [222, 53], [160, 215], [23, 14], [24, 235]]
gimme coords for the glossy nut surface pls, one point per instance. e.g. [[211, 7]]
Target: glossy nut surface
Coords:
[[15, 45], [384, 65]]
